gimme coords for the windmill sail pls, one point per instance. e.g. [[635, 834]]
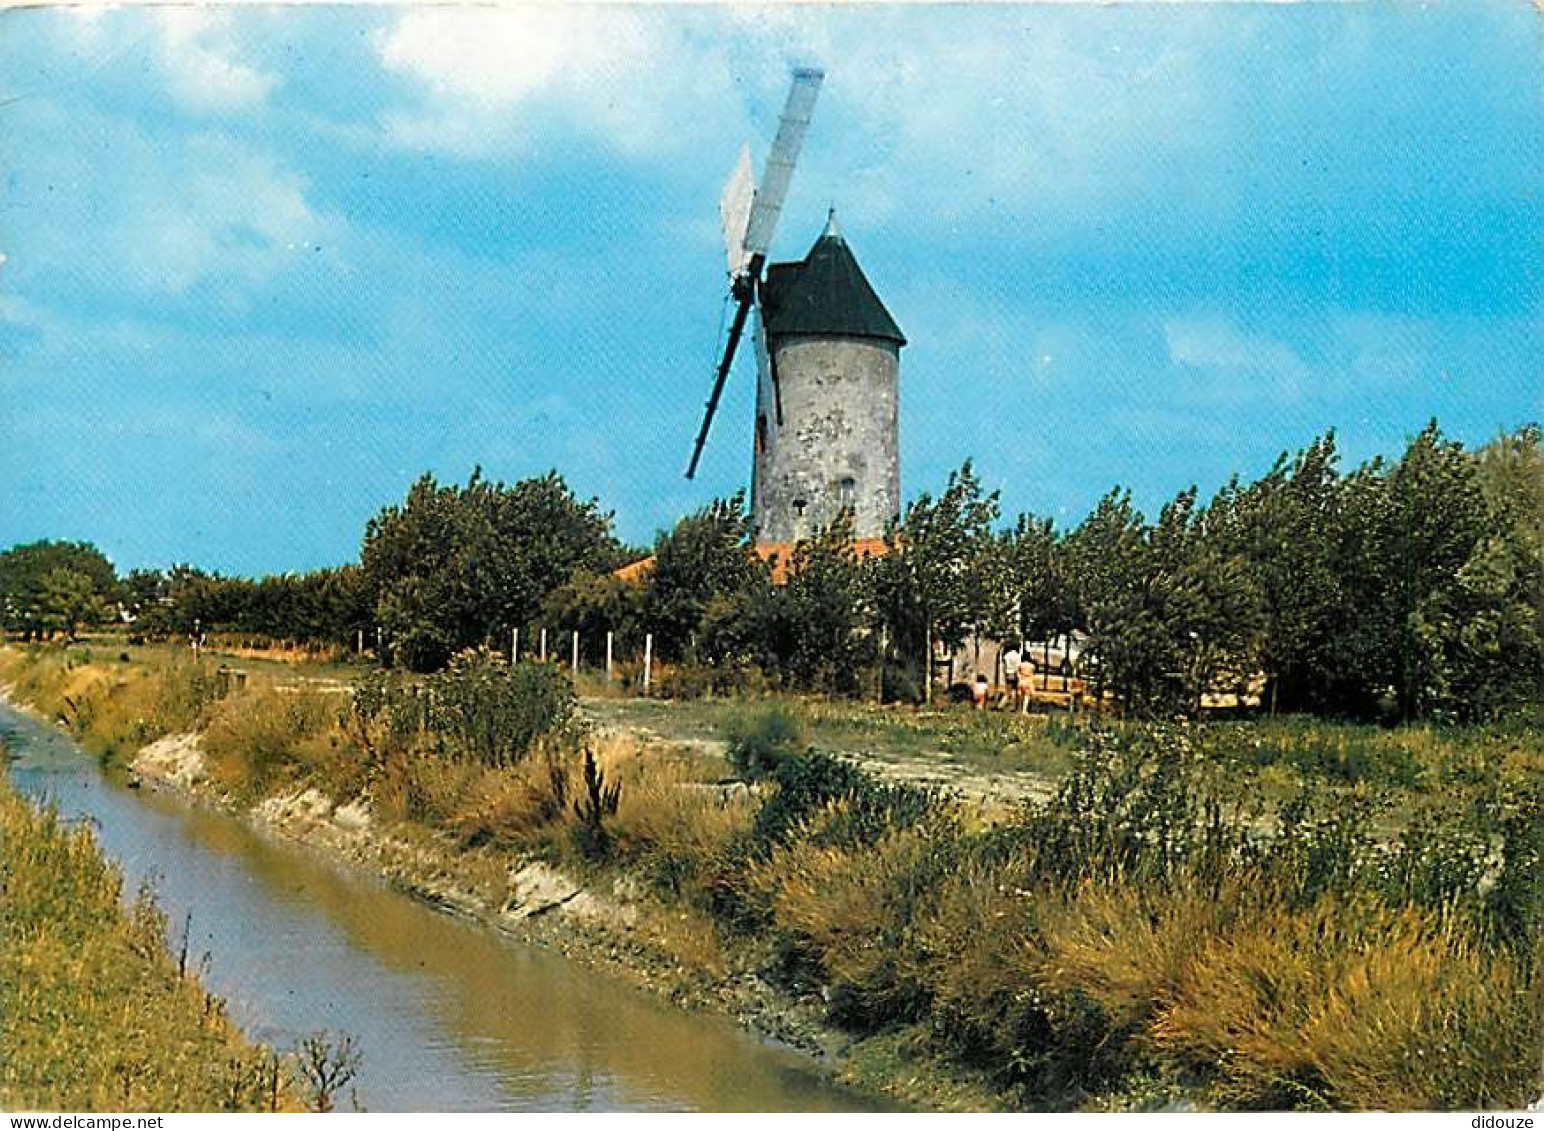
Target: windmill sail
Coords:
[[749, 219], [734, 212], [773, 190], [736, 328]]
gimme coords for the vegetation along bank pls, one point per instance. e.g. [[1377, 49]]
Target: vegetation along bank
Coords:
[[95, 1014], [1277, 914]]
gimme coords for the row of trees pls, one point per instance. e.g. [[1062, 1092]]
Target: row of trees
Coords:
[[448, 569], [1411, 589]]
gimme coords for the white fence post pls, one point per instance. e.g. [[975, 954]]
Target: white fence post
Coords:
[[648, 660], [608, 656], [574, 664], [544, 645], [514, 646]]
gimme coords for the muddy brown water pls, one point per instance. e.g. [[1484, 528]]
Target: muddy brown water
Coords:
[[448, 1015]]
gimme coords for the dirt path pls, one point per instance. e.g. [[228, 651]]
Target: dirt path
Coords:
[[1003, 788]]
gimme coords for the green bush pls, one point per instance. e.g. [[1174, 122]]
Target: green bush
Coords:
[[692, 680], [253, 740], [809, 782], [491, 712], [186, 693], [761, 741], [479, 709]]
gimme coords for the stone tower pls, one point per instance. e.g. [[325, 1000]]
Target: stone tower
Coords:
[[834, 355]]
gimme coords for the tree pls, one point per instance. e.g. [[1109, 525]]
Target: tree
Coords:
[[1107, 561], [453, 568], [67, 599], [705, 575], [827, 606], [1218, 619], [143, 591], [1498, 663], [48, 587], [929, 584], [1287, 526], [1435, 520], [593, 604]]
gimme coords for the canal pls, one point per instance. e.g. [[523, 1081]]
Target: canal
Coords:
[[448, 1015]]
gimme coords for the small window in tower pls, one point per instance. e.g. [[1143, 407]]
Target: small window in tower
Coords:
[[847, 491], [798, 507]]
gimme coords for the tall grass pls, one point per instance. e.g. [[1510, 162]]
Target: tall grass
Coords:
[[1148, 920], [94, 1014], [1279, 914]]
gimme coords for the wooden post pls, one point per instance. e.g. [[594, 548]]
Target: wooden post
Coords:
[[543, 652], [608, 655], [574, 658], [882, 648], [648, 661], [360, 641], [514, 646], [927, 668]]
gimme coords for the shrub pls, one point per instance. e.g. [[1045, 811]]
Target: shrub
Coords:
[[252, 739], [1350, 1004], [187, 690], [598, 801], [684, 833], [811, 781], [491, 712], [847, 910], [479, 709], [691, 680], [761, 741], [516, 806]]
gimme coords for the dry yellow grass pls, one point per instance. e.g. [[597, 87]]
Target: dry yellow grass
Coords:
[[93, 1012], [1351, 1004]]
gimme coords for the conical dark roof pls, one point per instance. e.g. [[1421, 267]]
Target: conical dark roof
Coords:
[[826, 293]]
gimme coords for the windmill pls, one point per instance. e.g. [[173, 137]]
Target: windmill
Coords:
[[827, 355], [749, 213]]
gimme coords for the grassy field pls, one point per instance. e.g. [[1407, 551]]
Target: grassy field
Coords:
[[1266, 914], [94, 1013]]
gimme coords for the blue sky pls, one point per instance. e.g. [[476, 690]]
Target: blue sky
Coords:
[[265, 266]]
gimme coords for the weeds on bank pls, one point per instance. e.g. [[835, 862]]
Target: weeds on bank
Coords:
[[1140, 923], [94, 1014], [1272, 915]]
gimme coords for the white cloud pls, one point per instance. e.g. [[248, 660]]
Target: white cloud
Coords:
[[931, 117], [195, 49], [623, 75], [197, 53], [1248, 363], [164, 214], [1385, 350], [228, 210]]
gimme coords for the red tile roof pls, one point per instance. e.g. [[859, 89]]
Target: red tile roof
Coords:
[[777, 554]]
